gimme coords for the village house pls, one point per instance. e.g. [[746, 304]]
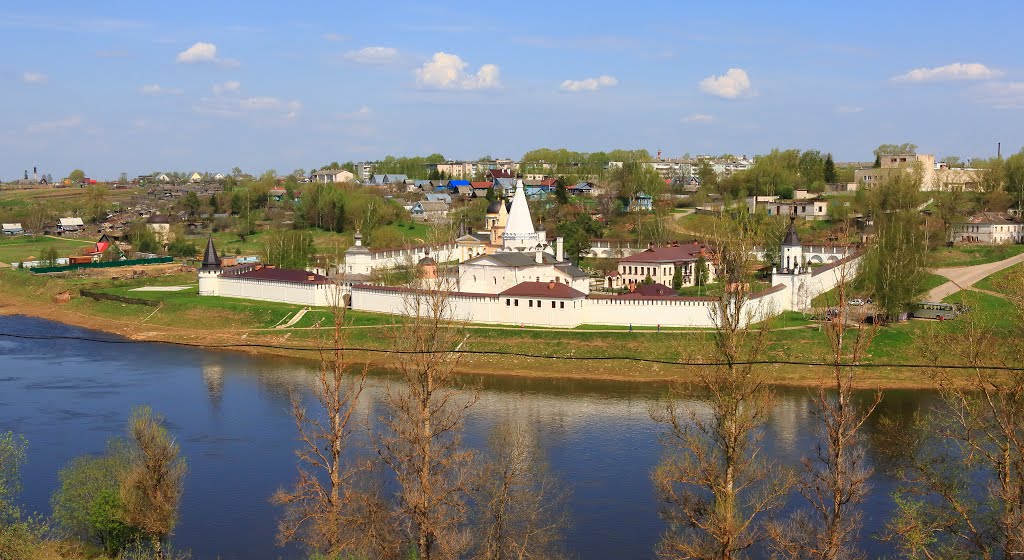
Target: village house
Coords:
[[989, 227], [13, 229], [332, 176], [802, 206], [69, 225], [429, 211]]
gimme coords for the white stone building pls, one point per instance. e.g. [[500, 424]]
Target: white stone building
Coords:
[[993, 228]]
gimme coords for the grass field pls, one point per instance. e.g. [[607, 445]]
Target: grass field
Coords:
[[186, 316], [970, 255], [20, 248], [1004, 281]]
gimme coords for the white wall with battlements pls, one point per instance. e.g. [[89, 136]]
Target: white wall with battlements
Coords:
[[553, 312], [375, 259]]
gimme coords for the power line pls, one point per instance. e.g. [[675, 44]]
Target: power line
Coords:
[[504, 353]]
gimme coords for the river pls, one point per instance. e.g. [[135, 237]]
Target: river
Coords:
[[231, 414]]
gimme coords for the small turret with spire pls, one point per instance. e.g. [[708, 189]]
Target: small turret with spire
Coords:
[[210, 258]]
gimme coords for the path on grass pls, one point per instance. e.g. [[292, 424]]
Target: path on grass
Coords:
[[964, 277]]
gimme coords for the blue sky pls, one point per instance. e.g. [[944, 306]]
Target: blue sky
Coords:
[[144, 86]]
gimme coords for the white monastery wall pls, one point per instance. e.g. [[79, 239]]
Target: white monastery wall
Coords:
[[270, 290]]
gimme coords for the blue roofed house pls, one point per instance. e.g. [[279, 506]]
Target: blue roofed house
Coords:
[[385, 179], [536, 193], [439, 197], [642, 202], [581, 188], [505, 185]]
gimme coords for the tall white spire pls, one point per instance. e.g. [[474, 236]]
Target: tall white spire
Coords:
[[520, 223]]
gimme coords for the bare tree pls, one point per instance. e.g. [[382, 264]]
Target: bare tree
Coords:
[[834, 479], [152, 486], [715, 485], [421, 439], [962, 467], [521, 506], [323, 510]]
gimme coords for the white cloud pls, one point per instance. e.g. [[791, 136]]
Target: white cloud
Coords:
[[372, 55], [733, 84], [157, 89], [34, 78], [588, 84], [227, 103], [334, 37], [361, 113], [229, 86], [448, 71], [204, 53], [849, 109], [699, 118], [47, 126], [949, 72], [1001, 95]]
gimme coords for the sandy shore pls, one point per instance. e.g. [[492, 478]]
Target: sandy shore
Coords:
[[499, 365]]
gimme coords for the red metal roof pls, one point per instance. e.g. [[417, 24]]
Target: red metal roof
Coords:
[[283, 275], [544, 289], [684, 252]]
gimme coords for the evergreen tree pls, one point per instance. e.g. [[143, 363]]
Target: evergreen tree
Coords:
[[677, 279], [561, 193], [830, 169]]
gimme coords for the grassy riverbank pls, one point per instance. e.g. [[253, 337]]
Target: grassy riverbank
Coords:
[[184, 317]]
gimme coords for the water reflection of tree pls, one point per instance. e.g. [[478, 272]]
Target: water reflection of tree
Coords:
[[961, 467]]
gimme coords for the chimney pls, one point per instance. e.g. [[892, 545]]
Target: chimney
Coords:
[[310, 277], [540, 255], [559, 248], [551, 285]]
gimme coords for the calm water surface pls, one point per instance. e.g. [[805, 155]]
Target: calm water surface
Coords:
[[231, 415]]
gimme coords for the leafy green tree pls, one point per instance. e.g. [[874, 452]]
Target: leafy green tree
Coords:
[[577, 234], [191, 203], [76, 176], [491, 197], [96, 202], [1014, 172], [288, 249], [20, 534], [142, 239], [706, 175], [182, 247], [49, 256], [88, 504], [829, 169], [700, 271], [112, 254], [894, 149], [893, 268]]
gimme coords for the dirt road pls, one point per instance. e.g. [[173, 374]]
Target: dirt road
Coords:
[[963, 277]]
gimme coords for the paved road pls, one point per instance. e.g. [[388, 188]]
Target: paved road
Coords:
[[963, 277]]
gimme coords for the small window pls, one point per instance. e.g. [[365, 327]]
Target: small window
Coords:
[[531, 303], [508, 303], [561, 304], [517, 303], [552, 305]]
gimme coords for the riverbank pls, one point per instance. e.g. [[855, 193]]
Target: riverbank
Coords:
[[594, 353]]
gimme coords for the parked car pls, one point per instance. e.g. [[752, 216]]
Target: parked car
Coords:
[[856, 302]]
